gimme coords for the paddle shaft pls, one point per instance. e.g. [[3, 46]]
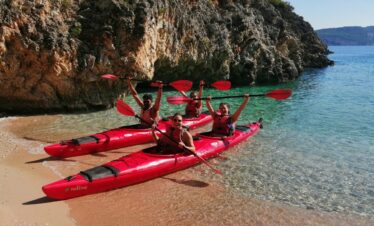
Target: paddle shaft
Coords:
[[184, 148], [141, 80], [224, 97]]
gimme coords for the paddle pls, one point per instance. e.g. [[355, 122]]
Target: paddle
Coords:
[[221, 85], [180, 85], [125, 109], [278, 94]]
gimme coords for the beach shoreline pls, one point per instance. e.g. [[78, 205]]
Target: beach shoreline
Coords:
[[22, 201], [175, 199]]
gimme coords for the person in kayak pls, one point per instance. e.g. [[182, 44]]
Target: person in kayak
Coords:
[[150, 113], [194, 107], [176, 139], [223, 122]]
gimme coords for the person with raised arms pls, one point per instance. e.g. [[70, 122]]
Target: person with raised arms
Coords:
[[194, 107], [150, 113], [223, 122]]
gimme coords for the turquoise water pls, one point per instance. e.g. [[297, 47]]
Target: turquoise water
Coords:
[[316, 149]]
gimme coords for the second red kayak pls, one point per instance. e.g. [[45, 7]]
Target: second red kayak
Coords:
[[116, 138], [143, 165]]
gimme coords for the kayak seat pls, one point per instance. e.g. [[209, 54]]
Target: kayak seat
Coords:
[[208, 134], [99, 172], [152, 150], [244, 129], [157, 150], [136, 126], [196, 138], [85, 140]]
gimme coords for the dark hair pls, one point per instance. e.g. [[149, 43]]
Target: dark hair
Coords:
[[177, 114], [147, 96], [194, 93], [223, 103]]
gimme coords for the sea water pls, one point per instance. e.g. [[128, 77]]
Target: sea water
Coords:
[[316, 149]]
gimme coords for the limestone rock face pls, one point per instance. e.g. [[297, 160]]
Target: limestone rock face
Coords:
[[52, 52]]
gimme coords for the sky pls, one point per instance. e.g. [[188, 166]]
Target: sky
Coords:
[[335, 13]]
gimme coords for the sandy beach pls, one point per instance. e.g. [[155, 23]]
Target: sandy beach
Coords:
[[182, 198], [21, 200]]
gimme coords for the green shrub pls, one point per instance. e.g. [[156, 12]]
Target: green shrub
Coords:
[[281, 3], [66, 3], [162, 11], [76, 29]]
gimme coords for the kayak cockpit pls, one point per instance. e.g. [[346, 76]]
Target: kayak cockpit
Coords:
[[135, 127], [99, 172], [156, 151]]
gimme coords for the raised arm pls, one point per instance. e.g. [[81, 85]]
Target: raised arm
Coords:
[[158, 98], [236, 115], [201, 86], [134, 93], [209, 106]]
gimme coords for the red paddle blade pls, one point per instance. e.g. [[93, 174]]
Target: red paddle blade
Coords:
[[279, 94], [124, 108], [181, 85], [177, 99], [221, 85], [109, 76]]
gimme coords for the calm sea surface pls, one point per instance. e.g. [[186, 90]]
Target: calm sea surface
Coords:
[[316, 150]]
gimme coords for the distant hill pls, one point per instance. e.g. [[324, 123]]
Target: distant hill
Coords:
[[347, 35]]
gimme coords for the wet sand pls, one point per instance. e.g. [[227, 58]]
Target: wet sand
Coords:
[[183, 198], [21, 200]]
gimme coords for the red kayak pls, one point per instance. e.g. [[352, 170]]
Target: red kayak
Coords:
[[143, 165], [116, 138]]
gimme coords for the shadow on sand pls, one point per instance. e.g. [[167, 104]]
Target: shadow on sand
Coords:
[[41, 200], [191, 183], [49, 159]]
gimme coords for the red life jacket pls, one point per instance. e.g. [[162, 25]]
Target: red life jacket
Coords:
[[222, 125], [168, 145], [150, 116], [193, 109]]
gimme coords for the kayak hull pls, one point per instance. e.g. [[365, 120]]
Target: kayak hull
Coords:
[[116, 138], [141, 166]]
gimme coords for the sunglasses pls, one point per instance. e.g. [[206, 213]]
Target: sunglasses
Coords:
[[177, 120]]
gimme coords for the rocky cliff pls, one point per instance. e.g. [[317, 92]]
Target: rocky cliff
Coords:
[[52, 52]]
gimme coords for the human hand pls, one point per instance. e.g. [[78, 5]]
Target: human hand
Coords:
[[246, 96], [154, 126], [202, 83], [157, 83], [181, 145]]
